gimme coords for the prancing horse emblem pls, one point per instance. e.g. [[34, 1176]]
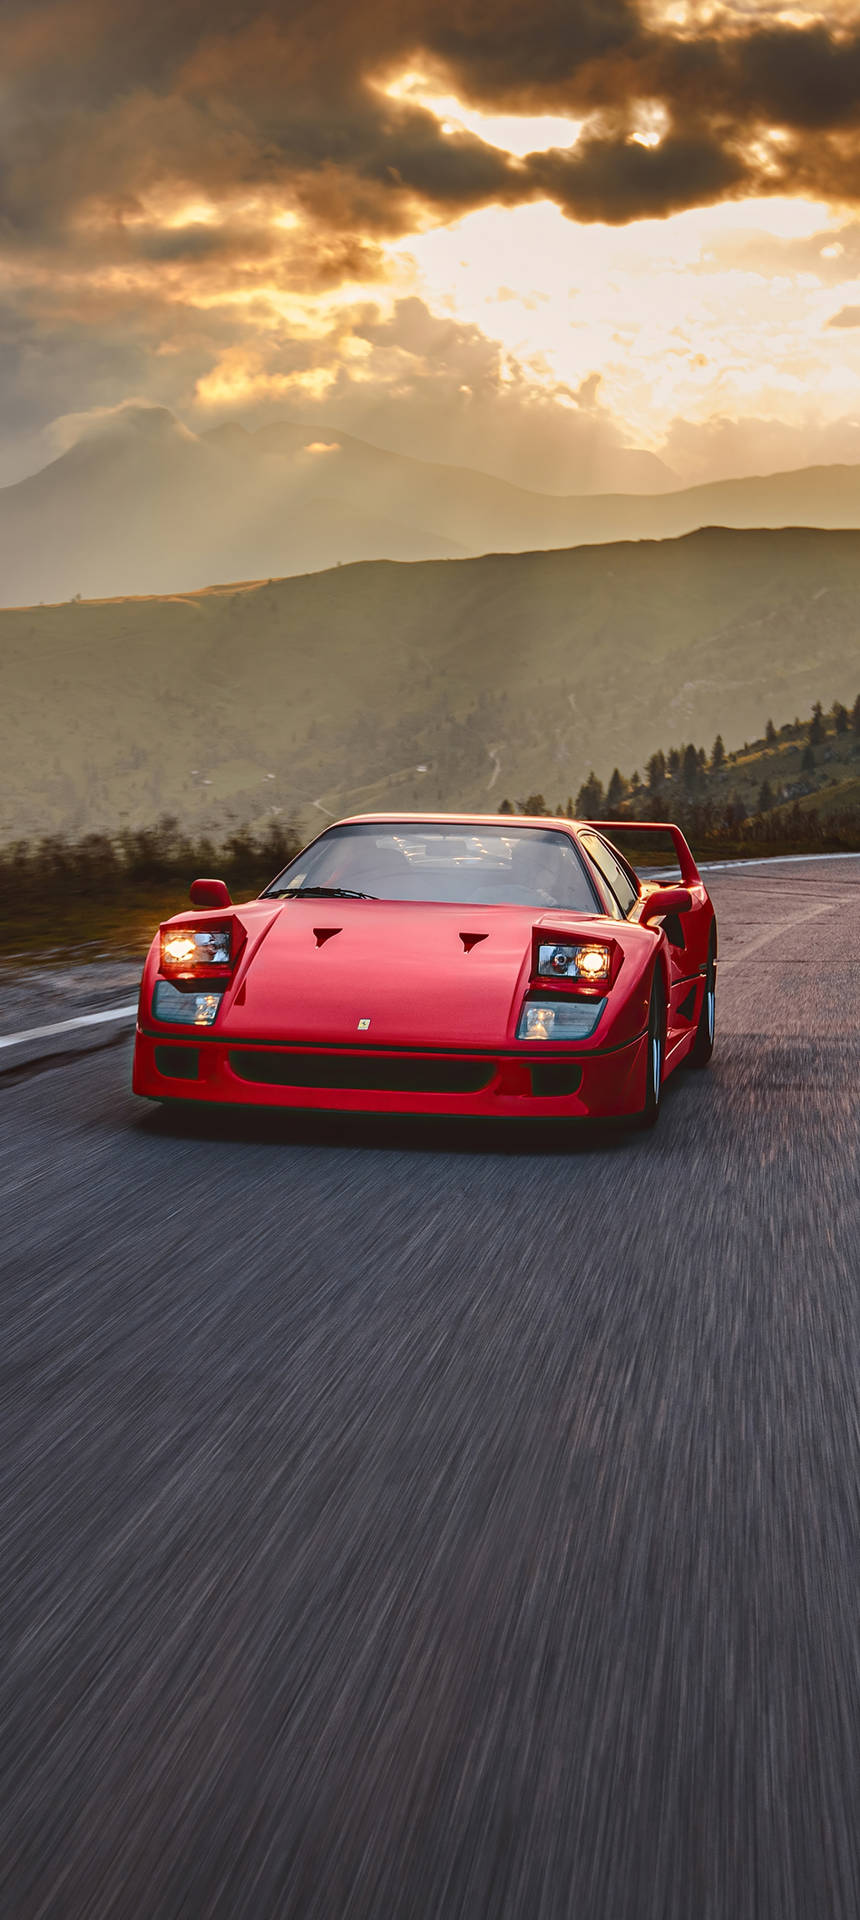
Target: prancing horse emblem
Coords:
[[363, 1026]]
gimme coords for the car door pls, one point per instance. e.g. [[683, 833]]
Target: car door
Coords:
[[626, 891]]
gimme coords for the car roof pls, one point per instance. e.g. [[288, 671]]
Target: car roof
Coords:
[[458, 820]]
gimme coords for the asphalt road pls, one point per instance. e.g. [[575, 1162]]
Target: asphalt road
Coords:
[[403, 1521]]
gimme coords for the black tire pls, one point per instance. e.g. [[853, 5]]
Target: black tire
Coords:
[[650, 1113], [703, 1045]]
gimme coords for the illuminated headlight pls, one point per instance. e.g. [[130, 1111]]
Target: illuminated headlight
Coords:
[[559, 1019], [184, 1009], [191, 947], [589, 963]]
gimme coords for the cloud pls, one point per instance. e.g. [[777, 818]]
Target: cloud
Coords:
[[147, 420], [846, 317], [224, 101], [621, 180], [204, 203], [829, 255], [722, 448], [442, 390]]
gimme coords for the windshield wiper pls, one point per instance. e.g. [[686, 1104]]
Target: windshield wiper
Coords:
[[322, 893]]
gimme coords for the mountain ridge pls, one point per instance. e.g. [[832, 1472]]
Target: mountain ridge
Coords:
[[143, 506], [436, 683]]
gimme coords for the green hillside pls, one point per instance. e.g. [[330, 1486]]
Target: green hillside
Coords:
[[331, 692], [797, 787]]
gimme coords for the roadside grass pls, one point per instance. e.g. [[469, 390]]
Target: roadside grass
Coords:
[[103, 897], [78, 931]]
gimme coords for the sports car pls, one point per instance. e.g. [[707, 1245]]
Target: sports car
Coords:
[[468, 964]]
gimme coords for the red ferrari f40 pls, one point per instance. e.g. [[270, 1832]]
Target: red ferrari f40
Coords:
[[442, 964]]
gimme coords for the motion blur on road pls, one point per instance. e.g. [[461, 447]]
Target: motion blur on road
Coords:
[[407, 1520]]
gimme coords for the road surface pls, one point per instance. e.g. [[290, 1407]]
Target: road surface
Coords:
[[403, 1521]]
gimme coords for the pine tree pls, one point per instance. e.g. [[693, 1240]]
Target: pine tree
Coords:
[[770, 734], [840, 717], [674, 762], [816, 725], [690, 772], [589, 800], [655, 772], [615, 792], [855, 715], [718, 755], [765, 797], [507, 806]]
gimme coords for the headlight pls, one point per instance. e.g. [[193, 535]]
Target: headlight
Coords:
[[588, 963], [184, 1009], [559, 1019], [189, 949]]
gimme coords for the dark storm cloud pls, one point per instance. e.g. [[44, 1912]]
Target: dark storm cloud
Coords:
[[623, 180], [222, 98]]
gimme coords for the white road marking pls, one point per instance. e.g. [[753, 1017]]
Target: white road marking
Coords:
[[68, 1026], [775, 860]]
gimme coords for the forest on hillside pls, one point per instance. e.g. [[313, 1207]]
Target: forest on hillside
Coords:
[[796, 789]]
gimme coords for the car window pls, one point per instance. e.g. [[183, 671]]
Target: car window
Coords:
[[477, 862], [611, 870]]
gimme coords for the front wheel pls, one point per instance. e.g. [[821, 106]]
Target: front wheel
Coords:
[[650, 1113], [703, 1045]]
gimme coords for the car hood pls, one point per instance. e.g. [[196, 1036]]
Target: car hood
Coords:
[[419, 975]]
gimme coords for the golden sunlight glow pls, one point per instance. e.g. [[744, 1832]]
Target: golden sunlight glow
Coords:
[[196, 213], [516, 134], [696, 16], [650, 123], [241, 376], [721, 311]]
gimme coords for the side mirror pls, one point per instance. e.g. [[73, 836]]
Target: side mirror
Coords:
[[210, 893], [663, 901]]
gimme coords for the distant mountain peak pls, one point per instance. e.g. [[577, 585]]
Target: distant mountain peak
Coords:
[[129, 424], [230, 433]]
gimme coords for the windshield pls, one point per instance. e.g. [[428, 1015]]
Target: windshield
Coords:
[[492, 865]]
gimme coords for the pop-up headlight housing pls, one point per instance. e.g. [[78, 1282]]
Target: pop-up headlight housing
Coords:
[[196, 963], [570, 980], [589, 962], [189, 952]]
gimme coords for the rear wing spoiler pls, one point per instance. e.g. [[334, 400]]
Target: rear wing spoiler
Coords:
[[689, 871]]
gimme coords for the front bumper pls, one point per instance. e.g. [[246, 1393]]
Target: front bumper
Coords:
[[531, 1083]]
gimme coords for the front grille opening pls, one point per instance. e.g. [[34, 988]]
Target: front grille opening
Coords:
[[551, 1079], [177, 1063], [363, 1072]]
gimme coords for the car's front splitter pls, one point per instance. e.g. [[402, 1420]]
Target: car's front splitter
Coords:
[[547, 1084]]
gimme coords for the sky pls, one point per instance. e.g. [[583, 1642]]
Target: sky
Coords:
[[579, 243]]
